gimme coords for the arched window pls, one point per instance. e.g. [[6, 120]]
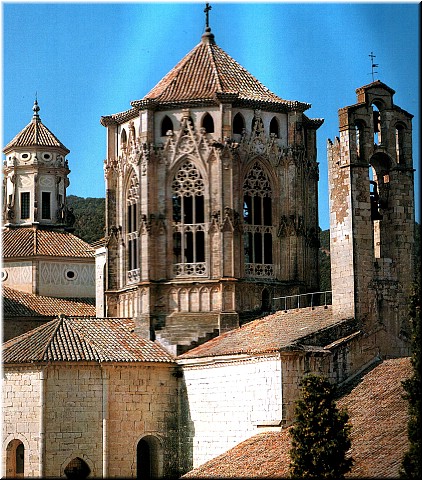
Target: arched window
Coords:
[[258, 228], [148, 458], [265, 301], [238, 123], [274, 127], [123, 139], [15, 459], [208, 123], [77, 469], [188, 216], [166, 125], [399, 143], [377, 124], [359, 133], [132, 230]]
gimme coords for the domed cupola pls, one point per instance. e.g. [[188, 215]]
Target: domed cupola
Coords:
[[35, 178]]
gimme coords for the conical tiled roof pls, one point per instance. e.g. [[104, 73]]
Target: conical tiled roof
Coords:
[[35, 134], [83, 339], [207, 74]]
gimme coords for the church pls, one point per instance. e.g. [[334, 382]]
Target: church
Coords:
[[211, 230]]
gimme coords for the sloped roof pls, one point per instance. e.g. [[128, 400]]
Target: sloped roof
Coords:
[[208, 74], [83, 339], [377, 412], [35, 134], [31, 242], [207, 71], [22, 304], [268, 334]]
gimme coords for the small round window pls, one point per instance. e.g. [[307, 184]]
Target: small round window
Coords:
[[46, 156], [70, 274], [3, 275], [25, 156]]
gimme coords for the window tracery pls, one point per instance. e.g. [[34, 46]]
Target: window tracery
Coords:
[[188, 191], [258, 227], [132, 230]]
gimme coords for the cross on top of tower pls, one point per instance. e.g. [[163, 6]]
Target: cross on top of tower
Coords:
[[207, 17]]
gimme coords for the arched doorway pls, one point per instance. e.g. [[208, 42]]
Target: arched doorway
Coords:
[[148, 458], [265, 301], [15, 459], [77, 469]]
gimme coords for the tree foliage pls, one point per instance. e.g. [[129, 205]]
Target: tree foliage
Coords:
[[89, 217], [320, 434], [411, 464]]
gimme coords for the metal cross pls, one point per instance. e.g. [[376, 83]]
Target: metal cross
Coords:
[[206, 10], [373, 65]]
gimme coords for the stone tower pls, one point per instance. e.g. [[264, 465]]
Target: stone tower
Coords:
[[211, 201], [372, 216], [35, 178]]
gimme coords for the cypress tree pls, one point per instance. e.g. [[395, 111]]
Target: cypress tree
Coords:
[[411, 464], [320, 433]]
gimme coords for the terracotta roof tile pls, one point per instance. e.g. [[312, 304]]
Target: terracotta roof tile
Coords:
[[21, 304], [271, 333], [83, 339], [35, 134], [206, 71], [31, 242], [378, 415]]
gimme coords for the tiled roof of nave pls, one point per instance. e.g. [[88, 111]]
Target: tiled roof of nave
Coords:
[[31, 242], [268, 334], [21, 304], [73, 339]]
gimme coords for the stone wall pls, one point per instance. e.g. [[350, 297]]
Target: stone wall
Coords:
[[92, 412], [227, 402], [22, 416]]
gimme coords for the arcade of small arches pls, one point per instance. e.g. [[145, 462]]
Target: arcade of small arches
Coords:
[[239, 127]]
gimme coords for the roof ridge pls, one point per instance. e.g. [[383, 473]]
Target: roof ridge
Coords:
[[214, 64], [60, 319]]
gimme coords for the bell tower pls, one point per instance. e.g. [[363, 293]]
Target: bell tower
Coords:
[[35, 178], [372, 217]]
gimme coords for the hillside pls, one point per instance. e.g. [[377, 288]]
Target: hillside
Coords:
[[90, 217]]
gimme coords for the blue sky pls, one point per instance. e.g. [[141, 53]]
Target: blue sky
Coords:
[[85, 60]]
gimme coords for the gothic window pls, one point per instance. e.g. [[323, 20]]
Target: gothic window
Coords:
[[238, 124], [166, 125], [258, 228], [132, 227], [208, 123], [123, 139], [399, 143], [25, 203], [188, 219], [274, 127], [46, 205]]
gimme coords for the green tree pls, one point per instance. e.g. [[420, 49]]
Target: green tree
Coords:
[[411, 464], [320, 433]]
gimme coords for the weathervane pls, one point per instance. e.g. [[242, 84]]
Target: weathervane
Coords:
[[207, 18], [373, 65]]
